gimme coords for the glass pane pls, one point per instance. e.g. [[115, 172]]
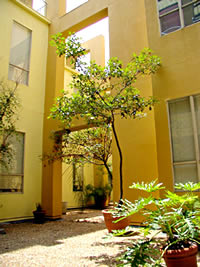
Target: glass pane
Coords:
[[20, 46], [183, 2], [40, 6], [16, 166], [170, 22], [181, 131], [77, 177], [185, 173], [164, 6], [191, 13], [188, 15], [10, 183], [17, 75]]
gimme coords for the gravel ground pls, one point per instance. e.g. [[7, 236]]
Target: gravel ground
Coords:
[[77, 240]]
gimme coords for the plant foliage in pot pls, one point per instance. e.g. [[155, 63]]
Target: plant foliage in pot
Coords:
[[176, 216], [39, 214], [100, 194]]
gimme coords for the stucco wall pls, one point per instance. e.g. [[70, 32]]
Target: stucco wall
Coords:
[[128, 34], [20, 205], [177, 77]]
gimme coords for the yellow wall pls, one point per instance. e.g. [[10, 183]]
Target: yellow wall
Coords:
[[145, 143], [74, 199], [178, 77], [92, 175], [128, 34], [96, 47], [133, 26], [137, 137], [18, 205]]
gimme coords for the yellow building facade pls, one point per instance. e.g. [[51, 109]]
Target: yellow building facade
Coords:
[[165, 144], [15, 16]]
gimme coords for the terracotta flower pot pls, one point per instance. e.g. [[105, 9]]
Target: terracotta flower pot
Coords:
[[186, 257], [109, 221]]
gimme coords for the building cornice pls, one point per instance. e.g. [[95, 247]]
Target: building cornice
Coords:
[[32, 11]]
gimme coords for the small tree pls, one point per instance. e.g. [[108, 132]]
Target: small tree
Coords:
[[9, 105], [92, 145], [103, 92]]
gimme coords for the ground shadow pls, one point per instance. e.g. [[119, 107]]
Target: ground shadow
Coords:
[[114, 260], [27, 234], [110, 260]]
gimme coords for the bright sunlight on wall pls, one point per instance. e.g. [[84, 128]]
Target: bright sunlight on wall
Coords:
[[99, 28]]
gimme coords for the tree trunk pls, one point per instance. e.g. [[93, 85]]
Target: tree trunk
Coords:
[[120, 157], [109, 173]]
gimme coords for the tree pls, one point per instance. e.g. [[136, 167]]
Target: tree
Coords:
[[103, 92], [92, 145], [9, 105]]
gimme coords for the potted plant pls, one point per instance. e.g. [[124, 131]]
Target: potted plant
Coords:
[[39, 214], [177, 216], [99, 194]]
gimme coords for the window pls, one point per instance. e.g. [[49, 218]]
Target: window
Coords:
[[184, 116], [72, 4], [40, 6], [19, 54], [11, 177], [77, 177], [175, 14]]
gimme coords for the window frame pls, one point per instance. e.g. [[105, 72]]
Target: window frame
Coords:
[[181, 15], [195, 136], [26, 83], [17, 174]]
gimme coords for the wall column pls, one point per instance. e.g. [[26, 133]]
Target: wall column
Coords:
[[52, 173]]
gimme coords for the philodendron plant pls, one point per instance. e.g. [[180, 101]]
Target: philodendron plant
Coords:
[[177, 216]]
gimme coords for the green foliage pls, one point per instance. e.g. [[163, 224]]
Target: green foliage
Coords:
[[127, 208], [98, 100], [70, 47], [92, 145], [141, 253], [151, 187], [128, 231], [188, 186], [177, 216], [9, 105], [103, 92], [92, 192]]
